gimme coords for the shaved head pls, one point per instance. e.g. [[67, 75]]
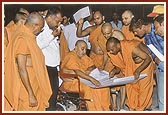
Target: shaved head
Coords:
[[80, 48], [79, 42], [98, 18], [113, 45], [106, 30], [34, 17], [127, 16], [128, 12], [106, 25], [35, 22], [118, 34]]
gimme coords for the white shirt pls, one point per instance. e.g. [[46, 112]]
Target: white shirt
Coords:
[[70, 35], [49, 46], [118, 26]]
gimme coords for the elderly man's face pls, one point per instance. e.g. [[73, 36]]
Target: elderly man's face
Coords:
[[81, 49]]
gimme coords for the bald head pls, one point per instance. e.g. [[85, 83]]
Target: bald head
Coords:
[[127, 12], [113, 45], [106, 25], [118, 34], [106, 30], [80, 42], [127, 16], [35, 18], [35, 22], [98, 18], [80, 48]]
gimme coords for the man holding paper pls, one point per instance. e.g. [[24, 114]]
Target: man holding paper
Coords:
[[159, 29], [135, 60], [142, 28], [78, 63]]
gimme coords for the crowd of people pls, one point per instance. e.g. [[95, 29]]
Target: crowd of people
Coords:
[[42, 47]]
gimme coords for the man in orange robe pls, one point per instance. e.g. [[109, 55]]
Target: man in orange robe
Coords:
[[81, 64], [127, 16], [96, 53], [26, 83], [107, 32], [137, 60], [20, 18]]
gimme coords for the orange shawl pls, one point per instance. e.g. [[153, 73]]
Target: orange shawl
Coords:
[[12, 81], [129, 35]]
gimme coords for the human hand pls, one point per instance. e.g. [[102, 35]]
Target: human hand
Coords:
[[81, 21], [157, 60], [112, 74], [95, 82], [136, 75], [32, 101], [56, 32], [114, 71], [101, 68]]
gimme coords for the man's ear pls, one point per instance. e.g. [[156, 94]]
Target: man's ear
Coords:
[[103, 18], [69, 19], [132, 16]]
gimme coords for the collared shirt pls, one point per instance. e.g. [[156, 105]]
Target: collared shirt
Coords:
[[49, 46], [155, 40]]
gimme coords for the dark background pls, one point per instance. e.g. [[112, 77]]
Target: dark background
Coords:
[[139, 10]]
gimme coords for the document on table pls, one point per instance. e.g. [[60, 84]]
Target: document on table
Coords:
[[156, 52], [103, 78], [82, 13]]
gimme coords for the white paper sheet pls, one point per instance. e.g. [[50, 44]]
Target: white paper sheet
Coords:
[[103, 78], [156, 52], [82, 13]]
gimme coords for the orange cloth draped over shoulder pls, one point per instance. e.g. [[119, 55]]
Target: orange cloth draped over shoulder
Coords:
[[63, 46], [129, 34], [139, 94], [109, 64], [8, 31], [73, 62], [102, 44], [97, 59], [23, 42]]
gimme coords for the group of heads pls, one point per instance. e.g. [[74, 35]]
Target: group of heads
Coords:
[[139, 26], [35, 20]]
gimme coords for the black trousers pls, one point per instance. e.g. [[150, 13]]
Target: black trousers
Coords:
[[54, 81]]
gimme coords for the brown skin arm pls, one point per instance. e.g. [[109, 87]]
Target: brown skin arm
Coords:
[[114, 71], [21, 61], [144, 48], [147, 60], [89, 69], [87, 77], [85, 32], [105, 58]]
